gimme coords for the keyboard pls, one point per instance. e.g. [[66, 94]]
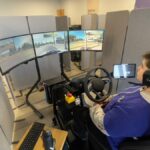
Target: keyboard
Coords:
[[32, 136]]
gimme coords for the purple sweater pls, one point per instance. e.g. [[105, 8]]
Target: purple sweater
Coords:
[[127, 115]]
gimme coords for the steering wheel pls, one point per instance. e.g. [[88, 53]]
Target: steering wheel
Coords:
[[95, 82]]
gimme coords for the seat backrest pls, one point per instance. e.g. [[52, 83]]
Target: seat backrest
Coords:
[[142, 143], [58, 92]]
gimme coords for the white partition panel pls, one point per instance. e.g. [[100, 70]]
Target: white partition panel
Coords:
[[137, 40], [13, 26], [3, 142], [101, 21], [62, 23], [114, 39], [6, 115], [88, 60], [67, 61], [49, 66], [24, 76], [89, 22], [42, 23], [85, 60], [98, 58]]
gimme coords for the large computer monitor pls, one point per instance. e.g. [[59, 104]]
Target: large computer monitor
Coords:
[[124, 71], [61, 41], [44, 43], [14, 51], [94, 39], [51, 42], [77, 40], [86, 40]]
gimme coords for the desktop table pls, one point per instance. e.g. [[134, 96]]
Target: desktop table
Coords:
[[59, 136]]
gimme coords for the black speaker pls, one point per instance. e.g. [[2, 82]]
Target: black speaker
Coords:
[[146, 78]]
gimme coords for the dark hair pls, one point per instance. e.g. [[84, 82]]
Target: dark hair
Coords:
[[147, 57]]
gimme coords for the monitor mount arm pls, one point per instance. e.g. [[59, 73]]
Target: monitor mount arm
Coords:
[[62, 68]]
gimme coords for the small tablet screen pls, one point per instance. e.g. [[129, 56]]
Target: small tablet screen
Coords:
[[124, 71]]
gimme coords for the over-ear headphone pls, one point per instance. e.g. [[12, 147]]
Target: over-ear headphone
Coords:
[[146, 78]]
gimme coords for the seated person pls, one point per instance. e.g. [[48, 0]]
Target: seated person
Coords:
[[126, 115]]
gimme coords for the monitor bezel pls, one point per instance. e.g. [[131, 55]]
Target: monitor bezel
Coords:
[[122, 77]]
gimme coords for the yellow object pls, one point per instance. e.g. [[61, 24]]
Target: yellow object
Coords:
[[69, 98]]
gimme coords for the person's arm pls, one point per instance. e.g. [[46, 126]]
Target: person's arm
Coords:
[[116, 122], [97, 116], [110, 98]]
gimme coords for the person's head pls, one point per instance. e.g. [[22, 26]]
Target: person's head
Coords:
[[145, 65]]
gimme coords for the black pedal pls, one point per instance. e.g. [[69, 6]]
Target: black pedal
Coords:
[[48, 140], [32, 136]]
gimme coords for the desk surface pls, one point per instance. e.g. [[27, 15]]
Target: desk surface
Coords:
[[59, 135]]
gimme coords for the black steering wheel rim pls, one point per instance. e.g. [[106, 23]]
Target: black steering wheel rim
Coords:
[[86, 81]]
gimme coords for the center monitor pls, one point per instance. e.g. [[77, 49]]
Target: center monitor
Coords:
[[77, 40], [51, 42]]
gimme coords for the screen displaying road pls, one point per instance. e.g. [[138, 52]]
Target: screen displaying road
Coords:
[[61, 41], [77, 40], [86, 40], [15, 50], [94, 39], [46, 43]]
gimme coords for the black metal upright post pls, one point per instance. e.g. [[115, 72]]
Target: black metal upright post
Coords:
[[62, 67], [61, 59], [40, 115]]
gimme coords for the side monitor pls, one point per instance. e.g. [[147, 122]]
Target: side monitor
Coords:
[[124, 71]]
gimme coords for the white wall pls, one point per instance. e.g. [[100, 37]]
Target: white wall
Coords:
[[76, 8], [28, 7], [115, 5], [73, 8]]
